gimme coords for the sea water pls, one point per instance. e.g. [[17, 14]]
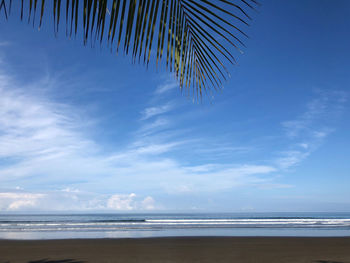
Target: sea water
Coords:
[[57, 226]]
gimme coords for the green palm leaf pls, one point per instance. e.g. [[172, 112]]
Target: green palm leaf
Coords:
[[196, 35]]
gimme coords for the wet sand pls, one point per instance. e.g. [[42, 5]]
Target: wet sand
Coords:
[[179, 249]]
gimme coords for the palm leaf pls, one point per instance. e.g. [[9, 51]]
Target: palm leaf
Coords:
[[196, 35], [3, 6]]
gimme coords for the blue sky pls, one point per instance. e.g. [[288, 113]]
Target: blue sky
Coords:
[[84, 130]]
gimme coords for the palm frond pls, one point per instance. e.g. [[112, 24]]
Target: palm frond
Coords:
[[196, 35], [3, 6]]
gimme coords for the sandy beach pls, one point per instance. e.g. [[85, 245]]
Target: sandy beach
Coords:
[[181, 249]]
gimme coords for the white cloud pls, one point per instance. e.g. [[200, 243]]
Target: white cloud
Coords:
[[311, 128], [12, 201], [149, 128], [154, 111], [121, 202], [148, 203], [5, 43], [43, 139], [35, 127], [319, 114], [156, 148], [304, 145], [129, 202], [213, 178], [202, 168], [321, 134], [70, 190], [268, 186], [291, 158], [166, 87], [253, 169], [72, 200], [45, 143]]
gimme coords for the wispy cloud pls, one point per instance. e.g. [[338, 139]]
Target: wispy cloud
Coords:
[[292, 158], [38, 136], [165, 87], [152, 127], [33, 127], [46, 145], [215, 177], [311, 128], [319, 115], [156, 110], [5, 43], [43, 143]]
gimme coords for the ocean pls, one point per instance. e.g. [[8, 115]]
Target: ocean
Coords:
[[59, 226]]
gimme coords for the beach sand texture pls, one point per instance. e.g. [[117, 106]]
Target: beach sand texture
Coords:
[[179, 249]]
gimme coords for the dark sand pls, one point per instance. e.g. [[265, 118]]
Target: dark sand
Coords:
[[181, 249]]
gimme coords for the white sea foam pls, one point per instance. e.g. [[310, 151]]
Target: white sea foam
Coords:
[[105, 223], [163, 223]]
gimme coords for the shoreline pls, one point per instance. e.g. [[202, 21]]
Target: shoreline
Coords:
[[176, 237], [179, 249]]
